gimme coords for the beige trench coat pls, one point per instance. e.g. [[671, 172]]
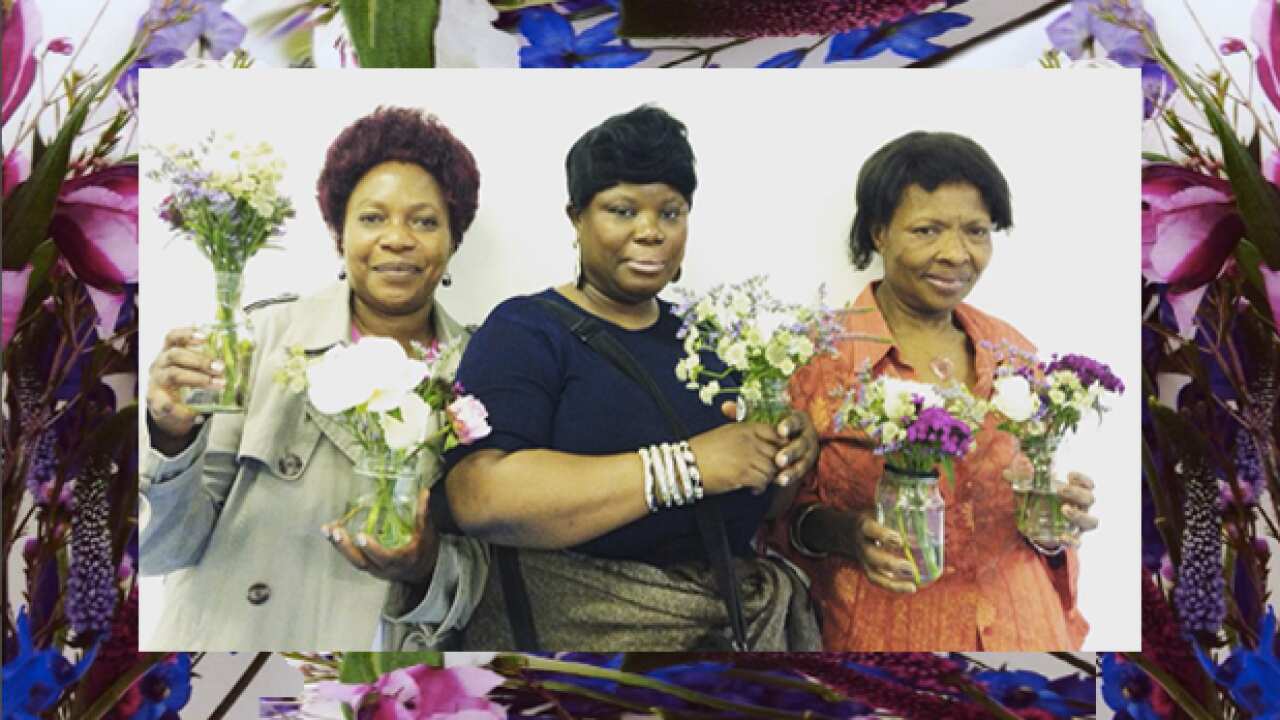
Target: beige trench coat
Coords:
[[235, 519]]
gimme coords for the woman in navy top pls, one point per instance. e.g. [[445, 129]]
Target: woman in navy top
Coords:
[[606, 563]]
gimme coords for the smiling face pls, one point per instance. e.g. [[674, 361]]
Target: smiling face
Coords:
[[632, 239], [396, 239], [936, 246]]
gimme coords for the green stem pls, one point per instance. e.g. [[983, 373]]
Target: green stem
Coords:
[[926, 543], [523, 662], [906, 545], [1088, 668], [1170, 685]]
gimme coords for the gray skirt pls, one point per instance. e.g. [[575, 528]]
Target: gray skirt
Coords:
[[592, 604]]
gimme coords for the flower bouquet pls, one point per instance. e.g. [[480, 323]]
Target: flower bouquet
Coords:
[[759, 339], [225, 199], [396, 406], [916, 427], [1039, 403]]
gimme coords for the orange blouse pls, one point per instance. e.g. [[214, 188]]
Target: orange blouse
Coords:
[[997, 593]]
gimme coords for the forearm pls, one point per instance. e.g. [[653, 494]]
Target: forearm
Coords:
[[544, 498]]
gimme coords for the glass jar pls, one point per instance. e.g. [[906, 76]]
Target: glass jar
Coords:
[[772, 405], [227, 340], [1037, 505], [910, 503], [387, 506]]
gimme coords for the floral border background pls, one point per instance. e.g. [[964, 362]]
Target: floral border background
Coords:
[[1211, 297]]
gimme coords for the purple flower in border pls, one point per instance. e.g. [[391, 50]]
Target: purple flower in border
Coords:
[[21, 35], [1157, 87], [1076, 30], [553, 43], [34, 679], [1198, 594], [181, 24], [785, 59], [1088, 370], [1252, 676], [908, 37], [1266, 33], [91, 590]]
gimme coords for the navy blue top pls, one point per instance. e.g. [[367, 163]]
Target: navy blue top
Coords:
[[545, 388]]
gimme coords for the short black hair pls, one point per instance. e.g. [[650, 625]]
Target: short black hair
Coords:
[[645, 145], [927, 159]]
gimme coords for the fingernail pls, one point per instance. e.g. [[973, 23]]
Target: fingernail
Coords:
[[217, 383], [361, 540], [216, 366], [328, 534], [782, 429], [783, 479], [782, 460]]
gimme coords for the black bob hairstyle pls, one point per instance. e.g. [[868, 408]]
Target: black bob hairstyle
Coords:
[[645, 145], [927, 159]]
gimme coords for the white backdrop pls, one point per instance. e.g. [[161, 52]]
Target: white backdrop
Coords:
[[778, 156]]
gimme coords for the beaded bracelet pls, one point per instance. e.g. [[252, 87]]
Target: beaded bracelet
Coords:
[[649, 499]]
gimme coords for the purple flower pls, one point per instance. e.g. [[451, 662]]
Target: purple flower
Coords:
[[1021, 689], [91, 591], [1128, 690], [785, 59], [935, 426], [1075, 31], [1198, 594], [61, 46], [1266, 33], [1089, 371], [1249, 477], [21, 35], [1157, 87], [1231, 46], [179, 24]]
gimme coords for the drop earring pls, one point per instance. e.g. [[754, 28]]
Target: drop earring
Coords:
[[447, 280], [342, 273]]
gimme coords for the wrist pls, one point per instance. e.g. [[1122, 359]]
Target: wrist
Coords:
[[166, 443]]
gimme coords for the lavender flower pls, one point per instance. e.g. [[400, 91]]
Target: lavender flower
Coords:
[[1249, 476], [91, 592], [1199, 592]]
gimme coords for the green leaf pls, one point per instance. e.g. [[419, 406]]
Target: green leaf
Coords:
[[1249, 261], [393, 33], [1258, 200], [1156, 157], [365, 667], [38, 285]]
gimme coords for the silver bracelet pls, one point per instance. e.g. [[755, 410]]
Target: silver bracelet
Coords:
[[647, 462], [796, 533], [669, 463], [1044, 550], [695, 475]]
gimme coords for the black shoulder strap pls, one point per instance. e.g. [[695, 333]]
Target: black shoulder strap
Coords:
[[710, 521]]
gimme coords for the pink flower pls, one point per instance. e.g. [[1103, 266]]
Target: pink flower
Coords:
[[1231, 46], [95, 226], [17, 166], [422, 692], [14, 291], [1190, 226], [1266, 33], [61, 46], [469, 418], [21, 34]]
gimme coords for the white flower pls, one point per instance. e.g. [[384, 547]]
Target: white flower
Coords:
[[736, 356], [776, 354], [891, 433], [801, 347], [1057, 397], [899, 394], [466, 38], [413, 427], [374, 371], [708, 392], [751, 392], [1013, 398], [692, 341], [740, 304]]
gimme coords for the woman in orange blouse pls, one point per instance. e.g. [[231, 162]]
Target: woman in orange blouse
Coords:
[[927, 204]]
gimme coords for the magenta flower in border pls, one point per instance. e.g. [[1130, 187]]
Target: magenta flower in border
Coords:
[[1266, 33], [21, 35]]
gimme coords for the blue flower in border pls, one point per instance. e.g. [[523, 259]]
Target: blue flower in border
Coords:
[[1017, 689], [554, 44], [1253, 676], [785, 59], [1127, 689], [166, 688], [908, 38], [34, 680]]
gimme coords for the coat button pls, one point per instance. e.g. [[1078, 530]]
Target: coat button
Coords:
[[259, 593], [289, 464]]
